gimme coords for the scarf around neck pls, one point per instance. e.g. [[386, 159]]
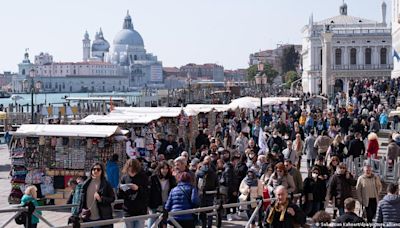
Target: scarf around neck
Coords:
[[277, 208]]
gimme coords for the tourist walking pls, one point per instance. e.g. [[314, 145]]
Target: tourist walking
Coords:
[[388, 210], [349, 217], [284, 213], [161, 183], [134, 191], [339, 187], [250, 189], [97, 196], [30, 196], [310, 150], [368, 189], [183, 197]]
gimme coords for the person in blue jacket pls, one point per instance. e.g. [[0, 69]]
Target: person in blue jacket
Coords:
[[112, 170], [30, 196], [183, 197]]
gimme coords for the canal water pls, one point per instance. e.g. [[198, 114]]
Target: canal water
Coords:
[[58, 98]]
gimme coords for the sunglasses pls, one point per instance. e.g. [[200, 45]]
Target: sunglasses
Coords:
[[96, 169]]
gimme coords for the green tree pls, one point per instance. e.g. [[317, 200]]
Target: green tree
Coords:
[[270, 72], [290, 59], [290, 77]]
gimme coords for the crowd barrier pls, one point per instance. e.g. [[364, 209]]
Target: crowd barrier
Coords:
[[381, 167], [160, 217]]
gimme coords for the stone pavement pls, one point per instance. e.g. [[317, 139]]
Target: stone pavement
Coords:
[[60, 218]]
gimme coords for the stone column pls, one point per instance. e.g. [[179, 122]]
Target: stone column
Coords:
[[360, 57], [346, 61], [375, 56], [327, 62]]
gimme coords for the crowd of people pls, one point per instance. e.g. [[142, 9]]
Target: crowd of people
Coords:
[[247, 159]]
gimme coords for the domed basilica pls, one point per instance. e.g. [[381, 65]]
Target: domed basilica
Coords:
[[128, 52]]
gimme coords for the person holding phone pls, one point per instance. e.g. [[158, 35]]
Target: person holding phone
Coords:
[[134, 191]]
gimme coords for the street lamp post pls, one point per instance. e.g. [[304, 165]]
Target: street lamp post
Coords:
[[261, 81], [32, 75]]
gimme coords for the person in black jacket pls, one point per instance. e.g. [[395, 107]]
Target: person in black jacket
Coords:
[[161, 183], [356, 146], [134, 191], [282, 212], [229, 182], [97, 195], [314, 190], [339, 187], [349, 217], [202, 139], [207, 181]]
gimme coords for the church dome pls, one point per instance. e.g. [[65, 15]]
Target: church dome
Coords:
[[128, 37], [100, 44]]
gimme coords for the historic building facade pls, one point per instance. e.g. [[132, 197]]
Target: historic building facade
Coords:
[[396, 37], [121, 67], [358, 48]]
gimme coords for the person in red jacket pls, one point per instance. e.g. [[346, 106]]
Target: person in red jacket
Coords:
[[373, 145]]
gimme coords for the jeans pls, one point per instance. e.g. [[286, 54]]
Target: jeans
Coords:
[[249, 212], [134, 224], [150, 221]]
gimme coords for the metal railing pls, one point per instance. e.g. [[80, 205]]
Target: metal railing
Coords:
[[161, 217]]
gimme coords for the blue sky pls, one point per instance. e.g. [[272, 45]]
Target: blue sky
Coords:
[[177, 31]]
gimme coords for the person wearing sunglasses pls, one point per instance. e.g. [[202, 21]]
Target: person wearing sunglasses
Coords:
[[97, 196]]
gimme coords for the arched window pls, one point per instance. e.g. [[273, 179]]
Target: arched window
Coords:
[[23, 71], [383, 56], [353, 56], [338, 56], [135, 57], [368, 54]]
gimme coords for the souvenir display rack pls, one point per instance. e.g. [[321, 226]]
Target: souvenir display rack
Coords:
[[48, 162]]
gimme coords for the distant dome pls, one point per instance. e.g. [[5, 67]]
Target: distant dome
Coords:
[[100, 45], [128, 37]]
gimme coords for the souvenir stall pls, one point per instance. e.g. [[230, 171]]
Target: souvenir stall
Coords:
[[144, 123], [47, 156]]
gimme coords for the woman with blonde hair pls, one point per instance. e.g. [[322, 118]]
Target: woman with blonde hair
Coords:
[[337, 148], [373, 145], [30, 196]]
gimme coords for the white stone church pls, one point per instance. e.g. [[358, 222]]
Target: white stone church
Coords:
[[360, 48]]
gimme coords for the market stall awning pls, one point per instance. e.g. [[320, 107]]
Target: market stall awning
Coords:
[[99, 131], [194, 109], [161, 111], [120, 119], [254, 102]]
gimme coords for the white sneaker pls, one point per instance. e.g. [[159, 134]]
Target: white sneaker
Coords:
[[229, 217]]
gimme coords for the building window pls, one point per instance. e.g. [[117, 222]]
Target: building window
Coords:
[[383, 56], [338, 56], [368, 54], [353, 56]]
